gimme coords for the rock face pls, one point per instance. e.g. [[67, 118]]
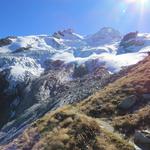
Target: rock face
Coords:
[[142, 139], [4, 42], [130, 41], [22, 49], [5, 99], [129, 36], [80, 71], [66, 34]]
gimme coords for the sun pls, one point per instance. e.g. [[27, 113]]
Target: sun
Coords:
[[143, 2], [142, 5]]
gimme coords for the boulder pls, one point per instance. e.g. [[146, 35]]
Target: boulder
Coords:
[[80, 71], [142, 139], [146, 96], [128, 102]]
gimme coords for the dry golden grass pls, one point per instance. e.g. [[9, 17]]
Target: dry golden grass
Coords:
[[68, 129], [129, 123], [105, 102], [136, 82], [71, 130]]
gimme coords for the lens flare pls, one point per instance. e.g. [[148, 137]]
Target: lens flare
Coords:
[[137, 1], [143, 2]]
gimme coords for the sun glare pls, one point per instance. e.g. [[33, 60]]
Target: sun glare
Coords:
[[142, 2], [142, 5]]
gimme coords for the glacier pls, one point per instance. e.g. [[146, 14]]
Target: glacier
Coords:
[[26, 55]]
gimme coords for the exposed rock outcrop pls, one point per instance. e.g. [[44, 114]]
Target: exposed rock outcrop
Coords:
[[4, 42], [128, 102], [142, 139]]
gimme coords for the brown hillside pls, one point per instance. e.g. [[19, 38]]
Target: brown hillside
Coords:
[[105, 103]]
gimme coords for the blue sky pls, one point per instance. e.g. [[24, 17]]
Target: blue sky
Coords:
[[26, 17]]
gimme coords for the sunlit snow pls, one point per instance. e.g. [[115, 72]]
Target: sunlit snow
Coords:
[[26, 55]]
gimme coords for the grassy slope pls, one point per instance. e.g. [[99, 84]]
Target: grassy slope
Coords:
[[105, 103], [68, 129], [77, 127]]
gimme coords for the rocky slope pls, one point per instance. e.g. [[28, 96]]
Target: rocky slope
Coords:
[[95, 123], [39, 74]]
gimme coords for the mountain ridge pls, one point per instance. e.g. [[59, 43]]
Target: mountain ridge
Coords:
[[43, 73]]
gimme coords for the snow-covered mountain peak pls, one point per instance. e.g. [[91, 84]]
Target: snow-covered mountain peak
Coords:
[[109, 31], [16, 53], [67, 34], [104, 36]]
